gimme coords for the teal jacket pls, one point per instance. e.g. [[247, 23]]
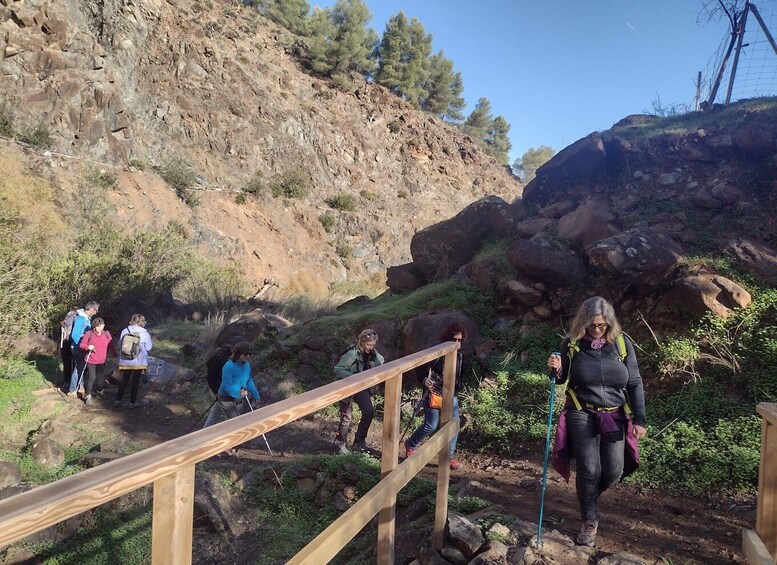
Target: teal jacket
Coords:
[[352, 362]]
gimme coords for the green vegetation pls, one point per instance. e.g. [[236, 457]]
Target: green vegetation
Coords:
[[290, 184], [181, 177], [102, 179], [6, 121], [328, 221], [37, 136], [256, 185], [342, 202], [527, 164]]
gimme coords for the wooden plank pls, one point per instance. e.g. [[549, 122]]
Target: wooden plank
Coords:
[[444, 457], [754, 549], [329, 542], [766, 511], [171, 530], [768, 411], [390, 456], [41, 507]]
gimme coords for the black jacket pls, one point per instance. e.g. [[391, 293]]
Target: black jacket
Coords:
[[600, 378], [438, 370]]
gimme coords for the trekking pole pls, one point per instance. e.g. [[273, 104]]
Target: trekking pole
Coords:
[[264, 436], [197, 421], [277, 478], [81, 376], [547, 451]]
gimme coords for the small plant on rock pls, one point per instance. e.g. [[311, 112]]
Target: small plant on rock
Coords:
[[290, 184], [342, 202], [38, 136]]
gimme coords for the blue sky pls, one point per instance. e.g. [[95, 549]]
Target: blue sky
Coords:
[[559, 69]]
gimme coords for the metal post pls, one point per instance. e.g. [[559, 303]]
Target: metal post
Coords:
[[741, 34]]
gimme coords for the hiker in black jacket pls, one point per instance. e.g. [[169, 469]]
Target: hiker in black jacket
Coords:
[[604, 414], [431, 377]]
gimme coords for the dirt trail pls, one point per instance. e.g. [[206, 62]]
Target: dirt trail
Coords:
[[648, 523]]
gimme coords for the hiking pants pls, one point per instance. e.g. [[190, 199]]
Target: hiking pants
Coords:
[[230, 409], [364, 401], [95, 377], [67, 363], [214, 415], [131, 377], [431, 423], [599, 459], [79, 363]]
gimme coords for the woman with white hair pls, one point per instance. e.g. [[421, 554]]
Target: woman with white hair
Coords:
[[604, 414], [359, 358]]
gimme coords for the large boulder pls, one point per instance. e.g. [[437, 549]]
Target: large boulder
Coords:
[[36, 344], [214, 505], [588, 223], [704, 293], [539, 261], [464, 534], [583, 160], [404, 278], [247, 328], [48, 453], [523, 293], [643, 256], [756, 258], [9, 474], [439, 250], [425, 331]]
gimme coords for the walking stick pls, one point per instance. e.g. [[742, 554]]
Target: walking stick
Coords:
[[197, 421], [81, 376], [547, 451], [277, 478]]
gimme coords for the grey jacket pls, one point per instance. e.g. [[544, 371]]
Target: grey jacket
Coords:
[[600, 378]]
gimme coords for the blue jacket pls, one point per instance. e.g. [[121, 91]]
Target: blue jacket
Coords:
[[236, 375], [81, 325], [141, 361]]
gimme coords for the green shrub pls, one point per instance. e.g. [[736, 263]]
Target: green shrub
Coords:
[[181, 178], [328, 221], [38, 136], [6, 121], [290, 184], [343, 250], [240, 198], [342, 202], [139, 164], [102, 178], [256, 185]]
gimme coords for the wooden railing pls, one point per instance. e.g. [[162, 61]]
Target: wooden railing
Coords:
[[170, 467], [760, 546]]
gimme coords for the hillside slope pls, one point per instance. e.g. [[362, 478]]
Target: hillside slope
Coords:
[[219, 88]]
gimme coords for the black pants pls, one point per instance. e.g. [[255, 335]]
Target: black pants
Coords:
[[364, 402], [95, 377], [132, 377], [599, 459], [67, 362]]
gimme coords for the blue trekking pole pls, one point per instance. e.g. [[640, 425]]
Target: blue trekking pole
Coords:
[[547, 451]]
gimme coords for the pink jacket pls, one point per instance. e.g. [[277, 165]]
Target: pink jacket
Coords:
[[100, 342]]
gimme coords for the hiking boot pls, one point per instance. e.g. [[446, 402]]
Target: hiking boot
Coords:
[[71, 394], [587, 534], [88, 400], [133, 405], [456, 464], [408, 450], [340, 447], [81, 390], [99, 393], [362, 446], [116, 403]]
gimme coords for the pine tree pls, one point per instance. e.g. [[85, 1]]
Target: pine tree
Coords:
[[525, 167], [320, 33], [497, 141], [443, 88], [391, 51], [353, 42], [291, 14], [478, 123]]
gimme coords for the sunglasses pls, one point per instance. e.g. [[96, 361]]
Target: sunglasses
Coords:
[[598, 326], [458, 339]]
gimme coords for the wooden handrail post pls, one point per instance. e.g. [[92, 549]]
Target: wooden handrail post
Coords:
[[171, 530], [392, 405], [766, 512], [443, 460]]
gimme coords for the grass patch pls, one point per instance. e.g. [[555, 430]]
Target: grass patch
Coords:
[[38, 136], [181, 177], [328, 221], [290, 184], [342, 202]]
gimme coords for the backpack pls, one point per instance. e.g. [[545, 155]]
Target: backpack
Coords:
[[214, 364], [620, 345], [67, 324], [130, 345], [340, 355]]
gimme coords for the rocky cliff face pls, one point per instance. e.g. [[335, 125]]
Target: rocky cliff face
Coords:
[[219, 87]]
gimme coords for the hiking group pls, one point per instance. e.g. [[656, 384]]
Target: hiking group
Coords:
[[84, 348], [602, 418]]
